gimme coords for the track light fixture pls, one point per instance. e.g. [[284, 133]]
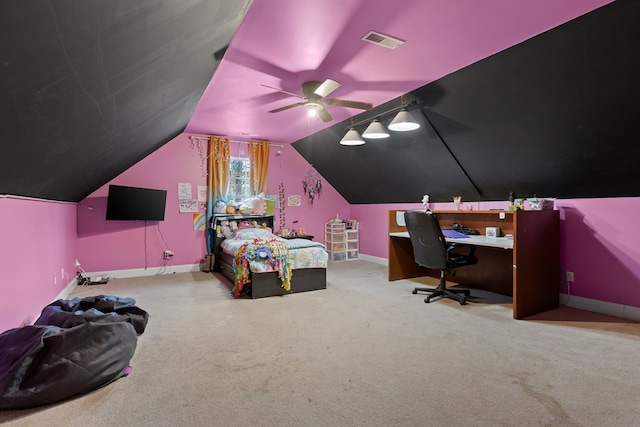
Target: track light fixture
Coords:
[[403, 121], [352, 137], [375, 130]]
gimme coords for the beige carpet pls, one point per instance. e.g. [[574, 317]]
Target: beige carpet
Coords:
[[363, 352]]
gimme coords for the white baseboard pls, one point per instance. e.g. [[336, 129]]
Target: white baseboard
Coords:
[[140, 272], [602, 307], [136, 272], [64, 294], [371, 258], [618, 310], [611, 309]]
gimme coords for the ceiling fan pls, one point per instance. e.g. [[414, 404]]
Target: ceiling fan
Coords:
[[315, 99]]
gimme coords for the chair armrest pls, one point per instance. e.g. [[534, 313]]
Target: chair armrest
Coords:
[[453, 246]]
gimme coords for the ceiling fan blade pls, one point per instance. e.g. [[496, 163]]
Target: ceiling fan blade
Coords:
[[309, 88], [349, 104], [324, 115], [284, 91], [286, 107], [326, 88]]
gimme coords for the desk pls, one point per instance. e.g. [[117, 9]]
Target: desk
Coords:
[[527, 267]]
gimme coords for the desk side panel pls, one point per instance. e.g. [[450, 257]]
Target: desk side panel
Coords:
[[537, 262], [401, 264]]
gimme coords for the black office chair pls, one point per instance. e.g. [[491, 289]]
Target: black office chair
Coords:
[[431, 250]]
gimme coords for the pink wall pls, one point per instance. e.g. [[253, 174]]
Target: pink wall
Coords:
[[599, 243], [290, 169], [105, 246], [598, 237], [38, 241]]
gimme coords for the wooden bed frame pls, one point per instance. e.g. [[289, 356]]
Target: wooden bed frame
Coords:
[[264, 284]]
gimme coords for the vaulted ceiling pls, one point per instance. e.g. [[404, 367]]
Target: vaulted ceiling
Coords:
[[531, 96]]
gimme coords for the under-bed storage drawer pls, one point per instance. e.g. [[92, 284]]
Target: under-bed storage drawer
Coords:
[[227, 270]]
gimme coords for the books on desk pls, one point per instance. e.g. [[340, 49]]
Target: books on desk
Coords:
[[453, 234]]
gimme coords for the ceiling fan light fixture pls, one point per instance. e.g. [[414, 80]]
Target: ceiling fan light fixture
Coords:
[[375, 131], [403, 121], [313, 108], [352, 137]]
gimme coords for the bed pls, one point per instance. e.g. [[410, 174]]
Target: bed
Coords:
[[260, 264]]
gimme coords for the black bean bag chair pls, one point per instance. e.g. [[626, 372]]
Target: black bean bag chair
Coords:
[[101, 308], [43, 364]]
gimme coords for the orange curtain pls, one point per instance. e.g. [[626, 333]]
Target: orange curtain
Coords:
[[259, 160], [218, 177]]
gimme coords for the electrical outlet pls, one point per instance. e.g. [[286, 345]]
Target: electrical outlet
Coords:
[[62, 273], [168, 254], [77, 263], [569, 276]]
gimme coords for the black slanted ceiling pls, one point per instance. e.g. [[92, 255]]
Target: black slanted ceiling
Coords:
[[553, 116], [88, 88]]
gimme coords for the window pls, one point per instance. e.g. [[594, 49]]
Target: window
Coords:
[[239, 178]]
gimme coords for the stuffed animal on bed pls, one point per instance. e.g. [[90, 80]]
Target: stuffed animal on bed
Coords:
[[232, 208], [228, 228]]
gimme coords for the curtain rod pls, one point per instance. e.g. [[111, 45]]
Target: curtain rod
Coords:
[[235, 142]]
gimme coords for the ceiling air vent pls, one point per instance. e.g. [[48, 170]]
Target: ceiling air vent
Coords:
[[382, 40]]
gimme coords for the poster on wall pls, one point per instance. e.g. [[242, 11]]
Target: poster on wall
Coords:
[[188, 206], [184, 191], [294, 200], [199, 223], [202, 193]]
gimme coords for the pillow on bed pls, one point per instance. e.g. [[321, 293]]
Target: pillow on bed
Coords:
[[253, 233]]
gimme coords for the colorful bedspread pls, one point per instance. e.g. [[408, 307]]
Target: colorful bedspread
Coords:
[[258, 250]]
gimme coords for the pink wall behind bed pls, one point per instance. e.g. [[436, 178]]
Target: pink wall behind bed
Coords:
[[106, 246], [598, 236], [289, 169]]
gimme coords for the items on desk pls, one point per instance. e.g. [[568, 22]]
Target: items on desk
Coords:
[[457, 200], [536, 204], [453, 234], [464, 230], [515, 203], [492, 232], [425, 202]]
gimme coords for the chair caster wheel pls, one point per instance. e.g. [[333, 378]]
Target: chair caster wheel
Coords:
[[414, 291]]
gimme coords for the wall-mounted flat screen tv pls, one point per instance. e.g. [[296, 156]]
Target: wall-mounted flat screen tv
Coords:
[[135, 204]]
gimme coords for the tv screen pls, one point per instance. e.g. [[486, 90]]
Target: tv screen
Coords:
[[135, 204]]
